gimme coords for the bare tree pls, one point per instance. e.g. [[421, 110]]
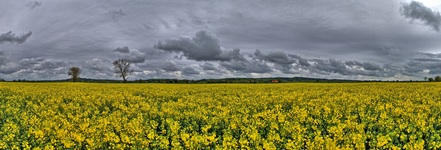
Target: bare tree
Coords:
[[75, 73], [122, 68]]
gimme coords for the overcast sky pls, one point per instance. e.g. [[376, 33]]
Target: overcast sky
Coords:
[[191, 39]]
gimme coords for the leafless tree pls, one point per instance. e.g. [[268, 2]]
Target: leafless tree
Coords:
[[75, 73], [122, 68]]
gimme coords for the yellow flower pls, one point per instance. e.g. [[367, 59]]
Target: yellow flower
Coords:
[[39, 134], [67, 143], [383, 140], [248, 116]]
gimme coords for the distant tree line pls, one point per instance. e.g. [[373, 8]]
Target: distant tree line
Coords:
[[436, 79], [123, 68]]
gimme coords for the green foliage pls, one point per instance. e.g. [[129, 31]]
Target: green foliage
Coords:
[[438, 79]]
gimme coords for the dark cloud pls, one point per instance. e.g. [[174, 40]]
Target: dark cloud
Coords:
[[428, 55], [246, 66], [275, 57], [417, 11], [207, 66], [364, 65], [3, 58], [96, 68], [330, 66], [33, 4], [169, 66], [29, 62], [22, 65], [232, 55], [189, 71], [427, 59], [314, 38], [37, 67], [9, 69], [424, 63], [133, 55], [351, 68], [202, 47], [301, 61], [124, 49], [49, 64], [154, 54], [136, 56], [282, 61], [98, 65], [12, 38]]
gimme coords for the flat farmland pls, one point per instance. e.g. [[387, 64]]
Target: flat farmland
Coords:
[[220, 116]]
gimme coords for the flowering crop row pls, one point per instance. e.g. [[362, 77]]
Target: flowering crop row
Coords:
[[220, 116]]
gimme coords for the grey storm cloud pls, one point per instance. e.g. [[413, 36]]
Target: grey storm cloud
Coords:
[[170, 66], [9, 69], [49, 64], [283, 61], [133, 55], [13, 67], [33, 4], [364, 65], [38, 65], [314, 38], [301, 61], [124, 49], [275, 57], [3, 58], [246, 66], [330, 66], [97, 68], [98, 65], [350, 68], [424, 61], [189, 71], [207, 66], [427, 59], [12, 38], [202, 47], [136, 56], [417, 11], [29, 62]]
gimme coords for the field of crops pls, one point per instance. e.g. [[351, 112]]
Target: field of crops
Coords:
[[220, 116]]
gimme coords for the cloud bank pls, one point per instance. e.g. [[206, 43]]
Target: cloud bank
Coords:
[[202, 47], [417, 11], [133, 55], [10, 37], [346, 39]]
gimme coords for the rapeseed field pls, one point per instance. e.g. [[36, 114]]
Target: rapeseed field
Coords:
[[220, 116]]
